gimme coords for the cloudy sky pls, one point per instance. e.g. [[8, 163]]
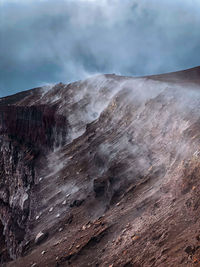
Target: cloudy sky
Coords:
[[48, 41]]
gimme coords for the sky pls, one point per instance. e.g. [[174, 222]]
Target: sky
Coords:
[[47, 41]]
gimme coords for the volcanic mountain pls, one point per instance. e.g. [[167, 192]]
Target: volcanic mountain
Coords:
[[102, 172]]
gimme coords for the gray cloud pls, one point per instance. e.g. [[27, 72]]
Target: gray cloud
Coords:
[[49, 41]]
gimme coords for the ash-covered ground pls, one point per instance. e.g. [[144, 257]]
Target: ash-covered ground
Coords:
[[102, 172]]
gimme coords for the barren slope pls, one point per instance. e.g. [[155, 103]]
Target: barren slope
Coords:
[[107, 169]]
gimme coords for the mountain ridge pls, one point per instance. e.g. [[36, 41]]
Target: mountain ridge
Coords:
[[96, 171], [194, 73]]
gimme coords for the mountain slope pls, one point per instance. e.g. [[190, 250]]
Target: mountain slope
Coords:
[[105, 170]]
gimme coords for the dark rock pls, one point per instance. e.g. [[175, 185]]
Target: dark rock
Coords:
[[77, 203], [70, 219], [198, 237], [100, 186], [190, 250], [4, 194], [128, 264]]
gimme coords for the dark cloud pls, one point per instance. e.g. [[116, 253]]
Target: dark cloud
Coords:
[[49, 41]]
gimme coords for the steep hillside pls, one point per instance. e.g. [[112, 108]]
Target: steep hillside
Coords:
[[102, 172]]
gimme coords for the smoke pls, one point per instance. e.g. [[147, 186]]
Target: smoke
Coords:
[[68, 40]]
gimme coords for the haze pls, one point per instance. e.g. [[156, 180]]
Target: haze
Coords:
[[44, 42]]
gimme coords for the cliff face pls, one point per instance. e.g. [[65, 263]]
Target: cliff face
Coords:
[[94, 172], [38, 125], [26, 132], [17, 178]]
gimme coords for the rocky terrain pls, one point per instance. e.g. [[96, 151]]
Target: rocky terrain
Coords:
[[102, 172]]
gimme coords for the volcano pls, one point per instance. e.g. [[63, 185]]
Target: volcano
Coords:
[[102, 172]]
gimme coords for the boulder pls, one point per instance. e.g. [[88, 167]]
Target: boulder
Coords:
[[100, 185], [40, 237], [77, 203]]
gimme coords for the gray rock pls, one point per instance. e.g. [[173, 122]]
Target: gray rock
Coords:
[[41, 236]]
